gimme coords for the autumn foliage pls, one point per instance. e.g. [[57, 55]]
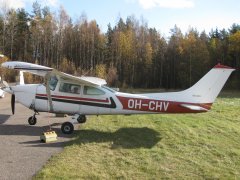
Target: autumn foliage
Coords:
[[129, 54]]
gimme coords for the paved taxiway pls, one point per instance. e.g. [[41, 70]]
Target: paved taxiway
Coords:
[[21, 152]]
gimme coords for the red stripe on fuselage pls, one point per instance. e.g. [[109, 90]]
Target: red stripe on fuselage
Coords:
[[76, 98], [161, 106]]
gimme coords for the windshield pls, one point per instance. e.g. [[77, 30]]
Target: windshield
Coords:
[[109, 89], [53, 82]]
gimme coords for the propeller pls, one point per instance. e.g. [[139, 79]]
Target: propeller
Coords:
[[5, 87], [5, 84], [13, 103]]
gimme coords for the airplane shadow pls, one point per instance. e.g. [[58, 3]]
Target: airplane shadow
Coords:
[[127, 138], [4, 118], [27, 130]]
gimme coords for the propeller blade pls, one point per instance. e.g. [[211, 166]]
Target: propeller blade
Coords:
[[5, 83], [13, 103]]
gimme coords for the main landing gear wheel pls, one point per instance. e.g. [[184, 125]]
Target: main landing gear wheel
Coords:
[[67, 128], [81, 119], [32, 120]]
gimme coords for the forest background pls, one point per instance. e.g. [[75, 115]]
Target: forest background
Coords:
[[128, 55]]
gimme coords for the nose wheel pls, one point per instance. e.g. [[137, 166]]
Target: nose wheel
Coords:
[[32, 120]]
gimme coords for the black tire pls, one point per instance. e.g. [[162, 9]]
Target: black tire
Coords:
[[32, 120], [67, 128], [81, 119]]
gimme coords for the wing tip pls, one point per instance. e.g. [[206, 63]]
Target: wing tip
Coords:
[[221, 66], [200, 108]]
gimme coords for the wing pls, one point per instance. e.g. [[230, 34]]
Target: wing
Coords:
[[27, 67], [94, 81], [43, 71]]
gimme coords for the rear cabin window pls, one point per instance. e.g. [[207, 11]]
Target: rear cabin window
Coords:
[[70, 88], [88, 90]]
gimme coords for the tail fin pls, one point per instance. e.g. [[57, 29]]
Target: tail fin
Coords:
[[207, 89]]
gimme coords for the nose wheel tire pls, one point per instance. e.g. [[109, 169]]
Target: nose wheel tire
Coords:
[[67, 128], [81, 119], [32, 120]]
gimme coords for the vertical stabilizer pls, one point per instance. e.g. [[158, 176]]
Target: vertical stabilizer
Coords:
[[207, 89]]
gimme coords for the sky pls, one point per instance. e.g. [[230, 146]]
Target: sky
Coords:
[[161, 14]]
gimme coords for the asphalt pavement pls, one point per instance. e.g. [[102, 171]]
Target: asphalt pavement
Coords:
[[22, 154]]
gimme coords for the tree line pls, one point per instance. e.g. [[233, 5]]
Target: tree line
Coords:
[[129, 54]]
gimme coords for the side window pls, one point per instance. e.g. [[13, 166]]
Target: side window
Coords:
[[53, 82], [69, 88], [88, 90]]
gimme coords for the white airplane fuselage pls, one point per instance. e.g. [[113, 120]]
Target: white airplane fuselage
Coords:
[[34, 96]]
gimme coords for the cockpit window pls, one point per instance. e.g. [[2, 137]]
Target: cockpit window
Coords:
[[88, 90], [53, 82], [109, 89], [69, 88]]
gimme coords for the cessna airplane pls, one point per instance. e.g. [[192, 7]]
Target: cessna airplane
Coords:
[[81, 96]]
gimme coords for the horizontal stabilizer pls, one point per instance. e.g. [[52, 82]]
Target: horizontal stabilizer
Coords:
[[194, 107]]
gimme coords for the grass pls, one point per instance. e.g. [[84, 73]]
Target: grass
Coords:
[[192, 146]]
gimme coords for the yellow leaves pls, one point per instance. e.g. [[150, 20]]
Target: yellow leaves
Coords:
[[101, 71], [148, 53], [180, 50], [126, 43], [67, 66], [214, 43], [3, 58], [109, 74], [191, 37], [3, 71], [28, 78], [112, 76], [234, 41], [191, 40]]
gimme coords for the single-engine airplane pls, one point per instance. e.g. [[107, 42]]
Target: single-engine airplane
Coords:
[[81, 96]]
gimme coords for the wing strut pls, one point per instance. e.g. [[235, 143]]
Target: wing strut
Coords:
[[48, 91]]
